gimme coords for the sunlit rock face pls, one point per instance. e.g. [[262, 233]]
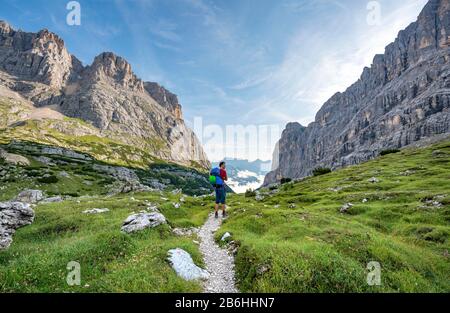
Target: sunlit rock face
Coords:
[[402, 98], [106, 94]]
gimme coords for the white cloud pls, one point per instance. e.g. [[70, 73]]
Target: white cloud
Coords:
[[166, 30], [166, 46], [314, 68]]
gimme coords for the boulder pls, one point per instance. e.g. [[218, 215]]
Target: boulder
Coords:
[[53, 199], [64, 174], [13, 215], [154, 183], [30, 196], [141, 221], [185, 231], [130, 186], [181, 261], [14, 158], [346, 207], [259, 197]]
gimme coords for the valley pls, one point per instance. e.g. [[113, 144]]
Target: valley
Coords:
[[313, 235], [104, 187]]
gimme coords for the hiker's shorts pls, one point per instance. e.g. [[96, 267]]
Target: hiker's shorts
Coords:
[[220, 195]]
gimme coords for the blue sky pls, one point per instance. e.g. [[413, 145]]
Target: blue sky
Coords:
[[230, 61]]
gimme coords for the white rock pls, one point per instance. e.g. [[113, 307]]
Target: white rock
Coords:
[[176, 205], [152, 208], [225, 236], [365, 201], [185, 231], [184, 266], [346, 207], [14, 158], [96, 211], [13, 215], [30, 196], [141, 221], [259, 197], [374, 180], [53, 199]]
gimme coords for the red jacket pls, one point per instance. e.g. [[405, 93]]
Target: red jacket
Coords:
[[223, 174]]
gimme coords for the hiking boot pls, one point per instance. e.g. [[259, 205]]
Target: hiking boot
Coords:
[[224, 214], [216, 215]]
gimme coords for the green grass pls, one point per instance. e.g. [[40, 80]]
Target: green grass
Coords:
[[110, 261], [113, 151], [294, 240], [312, 247], [83, 179]]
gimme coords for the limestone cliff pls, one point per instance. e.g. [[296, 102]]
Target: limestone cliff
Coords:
[[106, 94], [402, 98]]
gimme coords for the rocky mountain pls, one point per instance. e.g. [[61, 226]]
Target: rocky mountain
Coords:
[[402, 98], [46, 81]]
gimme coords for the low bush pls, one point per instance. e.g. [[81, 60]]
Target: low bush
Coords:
[[52, 179], [389, 151], [321, 171]]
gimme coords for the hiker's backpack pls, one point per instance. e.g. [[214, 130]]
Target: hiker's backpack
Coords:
[[214, 177]]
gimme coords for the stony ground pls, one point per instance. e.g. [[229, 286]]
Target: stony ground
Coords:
[[218, 262]]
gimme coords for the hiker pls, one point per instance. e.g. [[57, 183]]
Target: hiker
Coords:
[[218, 177]]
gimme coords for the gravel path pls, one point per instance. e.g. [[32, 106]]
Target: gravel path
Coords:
[[218, 262]]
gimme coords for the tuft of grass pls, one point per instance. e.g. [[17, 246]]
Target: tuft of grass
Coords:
[[249, 193], [389, 151]]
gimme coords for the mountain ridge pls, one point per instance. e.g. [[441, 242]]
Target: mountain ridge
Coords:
[[402, 98], [107, 94]]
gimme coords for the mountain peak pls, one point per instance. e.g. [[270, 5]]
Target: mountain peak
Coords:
[[107, 94], [165, 98], [40, 57], [109, 65], [5, 28], [402, 98]]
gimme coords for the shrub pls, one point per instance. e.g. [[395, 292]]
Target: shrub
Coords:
[[52, 179], [250, 193], [321, 171], [285, 180], [389, 151]]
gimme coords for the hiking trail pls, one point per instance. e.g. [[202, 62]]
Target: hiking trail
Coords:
[[219, 263]]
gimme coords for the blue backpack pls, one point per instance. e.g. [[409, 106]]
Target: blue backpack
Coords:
[[214, 177]]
